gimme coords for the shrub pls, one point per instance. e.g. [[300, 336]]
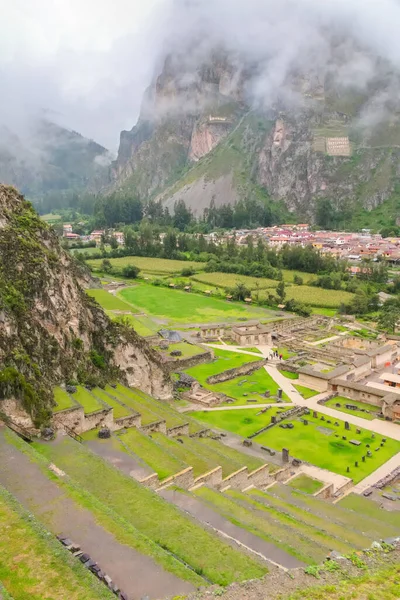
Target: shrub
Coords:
[[130, 271]]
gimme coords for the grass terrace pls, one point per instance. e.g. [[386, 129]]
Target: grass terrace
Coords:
[[306, 484], [224, 360], [119, 409], [87, 400], [305, 391], [33, 563], [62, 399], [161, 522], [360, 405], [188, 350], [108, 301], [229, 280], [254, 386], [365, 507], [149, 265]]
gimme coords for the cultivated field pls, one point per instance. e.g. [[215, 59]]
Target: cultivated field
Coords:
[[149, 265], [109, 301], [315, 296], [229, 280]]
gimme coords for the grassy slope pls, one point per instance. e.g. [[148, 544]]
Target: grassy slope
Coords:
[[109, 301], [87, 400], [152, 516], [306, 484], [33, 563], [62, 399]]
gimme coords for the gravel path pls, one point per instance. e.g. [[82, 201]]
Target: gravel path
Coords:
[[137, 575], [208, 516], [119, 459]]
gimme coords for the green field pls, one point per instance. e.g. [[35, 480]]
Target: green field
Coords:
[[119, 409], [254, 386], [229, 280], [242, 422], [288, 276], [89, 403], [161, 522], [317, 443], [188, 350], [181, 307], [150, 265], [109, 301], [315, 296], [62, 399], [224, 360], [142, 325], [305, 484], [343, 401], [33, 563], [305, 391]]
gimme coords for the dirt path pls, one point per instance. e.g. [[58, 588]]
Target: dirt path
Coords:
[[208, 516], [137, 575]]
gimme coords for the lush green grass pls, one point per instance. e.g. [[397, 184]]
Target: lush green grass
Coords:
[[305, 391], [289, 374], [229, 280], [262, 525], [224, 360], [288, 276], [326, 312], [242, 422], [108, 301], [33, 563], [181, 307], [343, 401], [306, 484], [142, 325], [152, 516], [154, 454], [62, 399], [254, 386], [134, 402], [150, 265], [315, 296], [187, 350], [119, 409], [89, 402], [316, 443]]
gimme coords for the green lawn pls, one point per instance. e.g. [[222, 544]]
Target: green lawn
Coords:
[[315, 296], [229, 280], [224, 360], [33, 563], [318, 444], [254, 386], [160, 521], [242, 422], [289, 374], [108, 301], [188, 350], [306, 484], [142, 325], [89, 402], [305, 391], [62, 399], [326, 312], [119, 409], [181, 307], [288, 276], [359, 413]]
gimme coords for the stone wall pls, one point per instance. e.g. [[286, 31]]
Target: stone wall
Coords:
[[282, 474], [151, 481], [344, 488], [157, 426], [129, 421], [295, 411], [246, 369], [326, 492], [178, 430], [186, 363], [313, 382], [212, 478], [260, 476], [238, 480], [183, 479], [100, 418], [73, 418], [373, 397]]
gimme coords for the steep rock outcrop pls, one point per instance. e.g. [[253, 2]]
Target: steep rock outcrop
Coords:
[[50, 330]]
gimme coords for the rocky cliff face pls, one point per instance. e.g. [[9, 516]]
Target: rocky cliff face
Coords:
[[50, 330], [199, 131]]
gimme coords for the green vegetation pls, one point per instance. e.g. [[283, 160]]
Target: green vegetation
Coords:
[[152, 516], [361, 405], [119, 409], [180, 307], [289, 374], [314, 296], [306, 484], [62, 399], [142, 325], [188, 350], [33, 563], [158, 266], [249, 387], [305, 391], [108, 301], [365, 507], [224, 360], [89, 403], [242, 422], [321, 444], [229, 280]]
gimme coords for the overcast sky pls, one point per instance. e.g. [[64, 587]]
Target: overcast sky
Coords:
[[87, 60]]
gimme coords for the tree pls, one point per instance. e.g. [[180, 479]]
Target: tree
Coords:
[[281, 292], [182, 215], [389, 316], [130, 272], [325, 214], [170, 242], [298, 280], [106, 266], [240, 292], [113, 243]]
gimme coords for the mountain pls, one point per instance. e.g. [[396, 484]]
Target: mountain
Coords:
[[203, 135], [45, 158], [50, 330]]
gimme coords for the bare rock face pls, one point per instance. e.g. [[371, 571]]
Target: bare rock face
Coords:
[[206, 136], [51, 331]]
